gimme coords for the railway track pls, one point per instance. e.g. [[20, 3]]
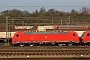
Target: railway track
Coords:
[[48, 59], [44, 52], [45, 47]]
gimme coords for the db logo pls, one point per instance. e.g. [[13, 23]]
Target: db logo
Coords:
[[45, 36]]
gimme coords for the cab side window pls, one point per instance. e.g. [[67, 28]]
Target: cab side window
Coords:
[[73, 34], [88, 34]]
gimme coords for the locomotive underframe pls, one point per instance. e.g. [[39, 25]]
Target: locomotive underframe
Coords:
[[87, 42], [36, 43]]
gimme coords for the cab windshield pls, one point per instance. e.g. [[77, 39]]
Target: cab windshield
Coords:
[[83, 34]]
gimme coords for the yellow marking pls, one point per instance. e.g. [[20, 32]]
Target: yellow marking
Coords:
[[28, 56], [82, 55]]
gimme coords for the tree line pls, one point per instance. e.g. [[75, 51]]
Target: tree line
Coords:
[[84, 11], [49, 16]]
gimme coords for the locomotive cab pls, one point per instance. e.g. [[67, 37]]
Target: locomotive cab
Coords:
[[86, 37], [75, 38], [16, 37]]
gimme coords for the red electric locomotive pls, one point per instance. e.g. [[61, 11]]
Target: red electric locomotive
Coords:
[[57, 38], [86, 37]]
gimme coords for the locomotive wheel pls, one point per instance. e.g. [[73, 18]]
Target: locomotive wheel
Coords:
[[60, 44], [21, 44], [53, 43], [31, 44], [89, 43], [70, 44]]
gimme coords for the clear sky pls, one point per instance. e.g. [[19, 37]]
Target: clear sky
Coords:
[[32, 5]]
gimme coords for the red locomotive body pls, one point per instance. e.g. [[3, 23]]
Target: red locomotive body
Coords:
[[45, 37], [86, 37]]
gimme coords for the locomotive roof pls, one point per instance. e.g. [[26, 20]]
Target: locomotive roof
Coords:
[[59, 32], [71, 25]]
